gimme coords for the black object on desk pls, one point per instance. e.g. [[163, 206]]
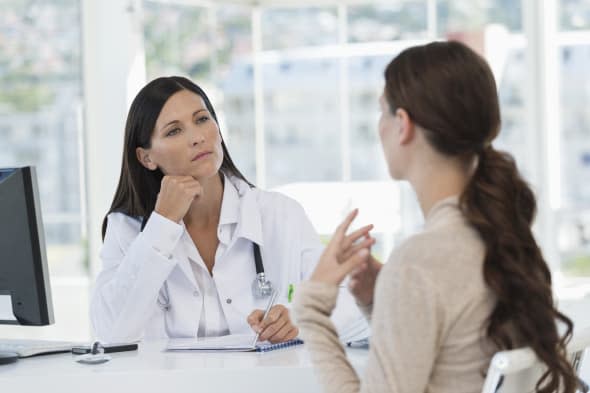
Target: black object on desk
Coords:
[[8, 357], [97, 347], [362, 343]]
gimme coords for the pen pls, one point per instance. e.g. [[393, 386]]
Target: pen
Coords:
[[273, 297]]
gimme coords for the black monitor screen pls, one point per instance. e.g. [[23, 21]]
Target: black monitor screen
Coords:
[[23, 262]]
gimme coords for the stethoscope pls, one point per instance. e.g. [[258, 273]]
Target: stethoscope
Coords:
[[261, 286]]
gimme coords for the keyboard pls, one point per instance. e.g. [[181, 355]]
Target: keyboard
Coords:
[[28, 348]]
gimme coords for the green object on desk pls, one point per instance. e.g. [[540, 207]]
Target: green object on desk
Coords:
[[290, 293]]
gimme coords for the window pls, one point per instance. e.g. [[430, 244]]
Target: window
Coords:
[[473, 16], [387, 21], [302, 132], [40, 125], [302, 26], [366, 83], [573, 52]]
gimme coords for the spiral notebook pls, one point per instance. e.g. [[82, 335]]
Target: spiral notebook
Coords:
[[230, 343]]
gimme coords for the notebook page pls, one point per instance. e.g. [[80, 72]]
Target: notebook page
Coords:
[[232, 342]]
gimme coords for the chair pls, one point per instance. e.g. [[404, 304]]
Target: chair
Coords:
[[518, 370]]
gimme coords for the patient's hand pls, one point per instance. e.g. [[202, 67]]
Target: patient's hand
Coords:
[[362, 281], [343, 253]]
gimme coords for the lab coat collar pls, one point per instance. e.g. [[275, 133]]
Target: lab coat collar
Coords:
[[250, 218], [239, 208], [230, 204]]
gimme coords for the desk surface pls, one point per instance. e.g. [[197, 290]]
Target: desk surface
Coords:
[[151, 369]]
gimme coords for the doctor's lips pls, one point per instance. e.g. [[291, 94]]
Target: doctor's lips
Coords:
[[201, 155]]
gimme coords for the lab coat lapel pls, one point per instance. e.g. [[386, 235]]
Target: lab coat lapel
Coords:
[[235, 278], [183, 252], [250, 222]]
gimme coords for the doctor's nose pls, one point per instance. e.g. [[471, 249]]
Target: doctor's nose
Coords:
[[197, 137]]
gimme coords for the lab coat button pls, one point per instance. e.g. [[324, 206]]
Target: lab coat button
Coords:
[[228, 300]]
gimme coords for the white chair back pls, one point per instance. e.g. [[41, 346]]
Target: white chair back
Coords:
[[518, 370]]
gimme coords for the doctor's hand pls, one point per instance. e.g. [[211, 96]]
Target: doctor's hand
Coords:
[[276, 328], [362, 280], [176, 195], [344, 252]]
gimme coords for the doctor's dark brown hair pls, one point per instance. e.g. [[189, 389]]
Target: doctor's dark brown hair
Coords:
[[138, 187], [450, 91]]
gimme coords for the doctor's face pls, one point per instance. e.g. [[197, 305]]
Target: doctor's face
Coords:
[[186, 139]]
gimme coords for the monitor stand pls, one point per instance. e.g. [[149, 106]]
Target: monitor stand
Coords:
[[8, 357]]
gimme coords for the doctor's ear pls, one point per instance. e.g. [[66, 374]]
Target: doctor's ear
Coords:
[[143, 157], [406, 126]]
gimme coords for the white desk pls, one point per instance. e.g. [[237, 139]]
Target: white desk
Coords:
[[151, 370]]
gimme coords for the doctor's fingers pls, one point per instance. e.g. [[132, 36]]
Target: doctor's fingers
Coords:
[[287, 332], [173, 181], [276, 314], [180, 182], [178, 196], [255, 318], [273, 329], [178, 179], [192, 188]]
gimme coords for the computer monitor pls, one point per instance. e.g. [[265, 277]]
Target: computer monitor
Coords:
[[24, 275]]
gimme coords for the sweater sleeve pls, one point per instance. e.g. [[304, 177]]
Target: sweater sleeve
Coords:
[[405, 323], [314, 304]]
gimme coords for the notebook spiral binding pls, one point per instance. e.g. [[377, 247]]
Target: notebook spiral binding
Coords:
[[272, 347]]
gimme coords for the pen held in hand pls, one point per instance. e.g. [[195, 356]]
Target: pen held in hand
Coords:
[[271, 303]]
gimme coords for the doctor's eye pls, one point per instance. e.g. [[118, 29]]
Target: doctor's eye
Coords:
[[173, 132], [202, 119]]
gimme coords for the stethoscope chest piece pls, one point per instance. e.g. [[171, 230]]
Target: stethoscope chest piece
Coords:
[[261, 287]]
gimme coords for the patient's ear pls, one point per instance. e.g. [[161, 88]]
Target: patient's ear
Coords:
[[407, 129], [143, 156]]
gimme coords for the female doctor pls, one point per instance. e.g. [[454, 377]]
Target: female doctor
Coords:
[[191, 248]]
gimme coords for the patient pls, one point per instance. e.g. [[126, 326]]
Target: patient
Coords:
[[474, 281]]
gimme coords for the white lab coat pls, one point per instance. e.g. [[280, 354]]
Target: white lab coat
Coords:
[[147, 288]]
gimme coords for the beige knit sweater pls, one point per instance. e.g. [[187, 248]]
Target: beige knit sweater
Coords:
[[430, 307]]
